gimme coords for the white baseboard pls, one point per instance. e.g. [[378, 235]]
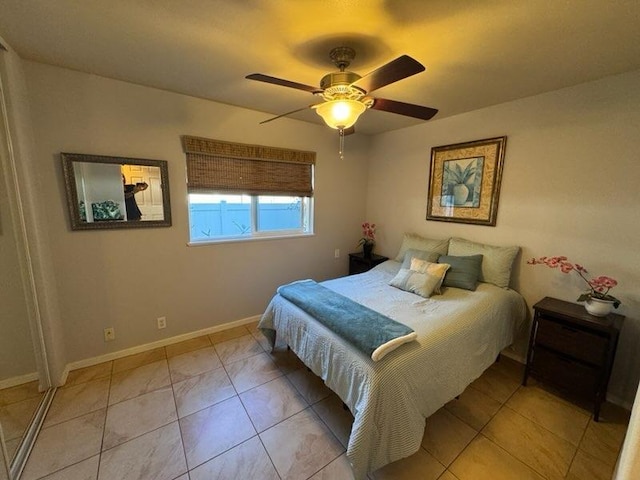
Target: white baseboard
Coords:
[[619, 401], [13, 381], [513, 356], [89, 362]]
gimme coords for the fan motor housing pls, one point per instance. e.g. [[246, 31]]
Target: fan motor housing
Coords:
[[338, 85]]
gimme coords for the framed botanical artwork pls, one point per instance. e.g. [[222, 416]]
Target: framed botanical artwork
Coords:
[[464, 181]]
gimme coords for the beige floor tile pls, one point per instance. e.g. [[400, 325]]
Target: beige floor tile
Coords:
[[496, 385], [87, 374], [484, 460], [238, 349], [548, 411], [603, 439], [262, 340], [301, 446], [187, 346], [474, 408], [447, 475], [286, 360], [420, 465], [509, 368], [12, 446], [587, 466], [202, 391], [139, 360], [228, 334], [249, 460], [74, 401], [272, 402], [65, 444], [137, 416], [193, 363], [252, 371], [157, 455], [131, 383], [334, 415], [84, 470], [19, 393], [310, 386], [253, 326], [340, 469], [545, 452], [214, 430], [15, 417], [445, 436]]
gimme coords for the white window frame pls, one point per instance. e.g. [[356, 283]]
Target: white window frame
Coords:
[[306, 210]]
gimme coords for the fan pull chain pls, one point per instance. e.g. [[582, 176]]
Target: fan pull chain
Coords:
[[341, 148]]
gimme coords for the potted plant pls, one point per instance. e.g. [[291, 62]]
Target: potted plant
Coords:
[[597, 299], [457, 178], [368, 239]]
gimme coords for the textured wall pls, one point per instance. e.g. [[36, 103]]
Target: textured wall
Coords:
[[570, 187]]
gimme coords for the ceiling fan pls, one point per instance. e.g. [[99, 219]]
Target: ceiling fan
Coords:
[[346, 94]]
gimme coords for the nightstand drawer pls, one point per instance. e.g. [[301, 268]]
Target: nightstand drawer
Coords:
[[565, 373], [583, 345]]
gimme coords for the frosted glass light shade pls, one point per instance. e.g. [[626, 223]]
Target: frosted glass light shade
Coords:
[[340, 113]]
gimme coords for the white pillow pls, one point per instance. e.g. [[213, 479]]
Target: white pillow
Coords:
[[411, 240], [496, 261], [423, 278]]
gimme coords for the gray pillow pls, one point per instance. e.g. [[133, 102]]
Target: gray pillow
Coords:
[[464, 271], [427, 255], [496, 263]]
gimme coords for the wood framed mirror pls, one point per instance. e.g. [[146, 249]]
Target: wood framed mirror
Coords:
[[116, 192]]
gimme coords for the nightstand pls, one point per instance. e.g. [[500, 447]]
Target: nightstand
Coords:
[[358, 263], [572, 350]]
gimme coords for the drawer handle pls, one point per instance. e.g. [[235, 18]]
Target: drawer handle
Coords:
[[572, 330]]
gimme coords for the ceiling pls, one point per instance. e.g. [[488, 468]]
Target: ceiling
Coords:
[[477, 52]]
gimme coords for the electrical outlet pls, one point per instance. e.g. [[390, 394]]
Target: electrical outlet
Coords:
[[336, 253], [162, 322], [109, 334]]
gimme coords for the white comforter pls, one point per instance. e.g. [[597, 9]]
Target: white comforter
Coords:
[[460, 334]]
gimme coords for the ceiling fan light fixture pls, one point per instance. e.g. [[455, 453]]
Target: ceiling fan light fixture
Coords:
[[340, 114]]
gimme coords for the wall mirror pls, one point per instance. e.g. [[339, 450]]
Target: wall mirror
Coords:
[[116, 192]]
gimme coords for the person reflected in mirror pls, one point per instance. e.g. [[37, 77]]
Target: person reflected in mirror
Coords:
[[130, 190]]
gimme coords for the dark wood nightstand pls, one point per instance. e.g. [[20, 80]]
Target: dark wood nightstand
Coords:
[[572, 350], [358, 263]]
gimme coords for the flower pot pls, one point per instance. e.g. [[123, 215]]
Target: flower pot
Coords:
[[460, 194], [598, 307], [367, 250]]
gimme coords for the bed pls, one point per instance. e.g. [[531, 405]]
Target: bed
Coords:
[[459, 334]]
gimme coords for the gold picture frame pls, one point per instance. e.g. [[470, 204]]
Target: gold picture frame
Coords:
[[464, 181]]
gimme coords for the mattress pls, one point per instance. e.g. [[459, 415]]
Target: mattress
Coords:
[[459, 335]]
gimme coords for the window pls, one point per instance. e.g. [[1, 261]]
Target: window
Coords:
[[239, 191], [220, 216]]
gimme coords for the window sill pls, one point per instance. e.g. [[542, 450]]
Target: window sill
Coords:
[[249, 239]]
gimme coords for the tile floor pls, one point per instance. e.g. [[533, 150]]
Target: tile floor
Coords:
[[17, 406], [223, 407]]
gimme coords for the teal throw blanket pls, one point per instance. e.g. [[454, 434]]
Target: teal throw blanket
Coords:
[[367, 330]]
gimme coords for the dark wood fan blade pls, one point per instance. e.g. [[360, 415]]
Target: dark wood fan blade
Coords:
[[284, 83], [401, 67], [350, 131], [401, 108], [285, 114]]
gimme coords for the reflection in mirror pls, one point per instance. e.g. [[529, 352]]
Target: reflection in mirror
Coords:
[[116, 192]]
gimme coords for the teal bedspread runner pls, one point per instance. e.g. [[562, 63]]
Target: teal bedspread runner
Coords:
[[369, 331]]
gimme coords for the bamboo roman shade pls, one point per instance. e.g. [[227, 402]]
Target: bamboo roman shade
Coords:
[[217, 166]]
